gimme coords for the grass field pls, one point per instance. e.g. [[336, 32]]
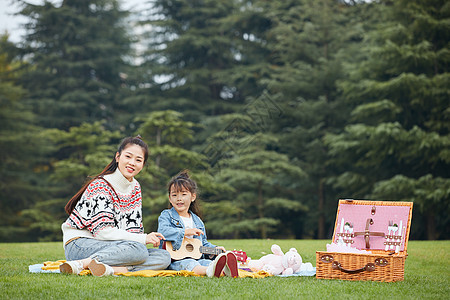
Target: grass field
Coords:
[[427, 276]]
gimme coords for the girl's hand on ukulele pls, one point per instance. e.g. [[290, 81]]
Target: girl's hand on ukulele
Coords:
[[154, 238], [192, 231], [221, 248]]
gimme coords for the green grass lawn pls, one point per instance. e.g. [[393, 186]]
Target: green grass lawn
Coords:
[[427, 276]]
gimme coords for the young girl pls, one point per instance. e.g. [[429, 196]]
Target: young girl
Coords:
[[104, 230], [181, 220]]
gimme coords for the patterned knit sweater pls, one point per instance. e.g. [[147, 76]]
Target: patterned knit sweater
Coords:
[[108, 213]]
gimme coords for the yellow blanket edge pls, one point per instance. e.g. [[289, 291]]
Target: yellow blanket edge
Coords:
[[54, 265]]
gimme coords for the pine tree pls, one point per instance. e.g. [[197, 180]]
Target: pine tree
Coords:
[[397, 145], [261, 179], [257, 182], [167, 135], [76, 54], [308, 42], [187, 51], [21, 149]]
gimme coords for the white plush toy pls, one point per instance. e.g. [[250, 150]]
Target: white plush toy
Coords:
[[278, 263]]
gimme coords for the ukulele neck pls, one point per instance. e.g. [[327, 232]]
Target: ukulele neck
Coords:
[[210, 250]]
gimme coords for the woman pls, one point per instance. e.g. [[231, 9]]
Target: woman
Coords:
[[104, 231]]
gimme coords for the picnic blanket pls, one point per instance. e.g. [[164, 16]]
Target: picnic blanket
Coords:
[[53, 267]]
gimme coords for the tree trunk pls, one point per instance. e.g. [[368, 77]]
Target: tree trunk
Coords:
[[261, 211], [431, 225], [321, 219]]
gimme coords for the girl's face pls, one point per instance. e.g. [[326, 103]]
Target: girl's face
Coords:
[[181, 200], [130, 161]]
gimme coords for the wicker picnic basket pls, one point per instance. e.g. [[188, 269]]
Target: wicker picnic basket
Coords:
[[372, 226]]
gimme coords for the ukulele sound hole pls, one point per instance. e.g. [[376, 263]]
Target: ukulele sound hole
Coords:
[[189, 247]]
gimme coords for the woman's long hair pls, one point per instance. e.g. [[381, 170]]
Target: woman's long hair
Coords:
[[109, 169], [183, 181]]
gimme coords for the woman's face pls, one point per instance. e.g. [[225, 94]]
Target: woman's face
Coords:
[[130, 161]]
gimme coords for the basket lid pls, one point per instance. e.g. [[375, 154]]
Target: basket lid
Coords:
[[373, 225]]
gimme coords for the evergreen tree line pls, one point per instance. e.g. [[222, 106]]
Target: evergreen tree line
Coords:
[[277, 108]]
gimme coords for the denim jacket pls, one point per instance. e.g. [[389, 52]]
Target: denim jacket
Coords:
[[172, 227]]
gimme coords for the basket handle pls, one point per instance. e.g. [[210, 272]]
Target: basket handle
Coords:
[[368, 267]]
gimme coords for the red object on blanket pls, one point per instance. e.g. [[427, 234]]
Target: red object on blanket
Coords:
[[240, 255]]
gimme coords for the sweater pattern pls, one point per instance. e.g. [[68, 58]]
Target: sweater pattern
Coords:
[[100, 207]]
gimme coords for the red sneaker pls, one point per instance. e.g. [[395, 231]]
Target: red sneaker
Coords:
[[231, 269], [216, 267]]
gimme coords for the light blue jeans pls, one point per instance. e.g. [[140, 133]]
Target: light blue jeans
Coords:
[[189, 264], [133, 255]]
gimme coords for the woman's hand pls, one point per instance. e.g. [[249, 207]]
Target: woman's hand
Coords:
[[192, 231], [154, 238]]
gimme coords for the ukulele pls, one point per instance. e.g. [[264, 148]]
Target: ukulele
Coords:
[[193, 248]]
